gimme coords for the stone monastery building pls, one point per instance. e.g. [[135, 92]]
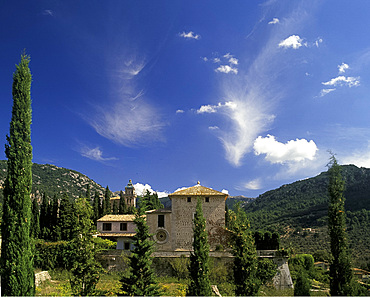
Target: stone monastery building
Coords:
[[172, 228]]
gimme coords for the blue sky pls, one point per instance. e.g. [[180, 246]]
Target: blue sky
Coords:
[[244, 96]]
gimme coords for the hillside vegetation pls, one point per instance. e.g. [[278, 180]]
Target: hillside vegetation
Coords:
[[54, 181], [298, 211]]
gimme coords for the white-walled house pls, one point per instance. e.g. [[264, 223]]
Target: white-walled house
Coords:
[[120, 228]]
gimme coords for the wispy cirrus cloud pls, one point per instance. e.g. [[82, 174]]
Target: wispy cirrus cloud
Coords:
[[190, 35], [129, 119], [48, 12], [254, 184], [95, 154]]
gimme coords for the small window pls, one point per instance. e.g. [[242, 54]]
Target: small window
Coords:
[[160, 221], [123, 227], [127, 246], [189, 199], [107, 226], [207, 199]]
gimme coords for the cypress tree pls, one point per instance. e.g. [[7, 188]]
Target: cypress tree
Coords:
[[96, 207], [340, 266], [122, 209], [88, 194], [107, 209], [115, 208], [35, 223], [140, 280], [44, 217], [18, 277], [54, 228], [67, 219], [247, 282], [85, 271], [199, 258]]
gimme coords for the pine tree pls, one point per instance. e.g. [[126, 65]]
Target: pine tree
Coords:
[[140, 280], [199, 258], [18, 277], [340, 267], [85, 271], [122, 204], [107, 208], [35, 223], [247, 282]]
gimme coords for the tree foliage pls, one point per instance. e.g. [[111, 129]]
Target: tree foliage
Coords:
[[16, 252], [199, 258], [340, 267], [150, 201], [85, 271], [249, 272], [140, 280]]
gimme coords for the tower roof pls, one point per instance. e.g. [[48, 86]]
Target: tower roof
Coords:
[[197, 190], [129, 185]]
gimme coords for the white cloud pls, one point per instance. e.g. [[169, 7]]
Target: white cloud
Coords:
[[214, 108], [324, 92], [216, 60], [226, 69], [94, 154], [190, 35], [253, 184], [318, 41], [343, 67], [213, 128], [207, 109], [292, 151], [180, 111], [225, 191], [140, 189], [293, 41], [274, 21], [343, 81]]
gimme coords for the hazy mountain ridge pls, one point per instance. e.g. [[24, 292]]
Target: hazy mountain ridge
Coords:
[[55, 180]]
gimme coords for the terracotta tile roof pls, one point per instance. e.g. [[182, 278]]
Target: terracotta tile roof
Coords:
[[116, 234], [197, 190], [117, 218]]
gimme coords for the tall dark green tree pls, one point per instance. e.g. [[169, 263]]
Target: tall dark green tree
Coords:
[[340, 267], [150, 201], [107, 208], [54, 212], [200, 284], [140, 280], [122, 209], [67, 218], [96, 207], [44, 217], [17, 272], [35, 223], [85, 271], [249, 272]]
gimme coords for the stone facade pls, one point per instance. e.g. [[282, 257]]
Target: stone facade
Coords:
[[173, 228]]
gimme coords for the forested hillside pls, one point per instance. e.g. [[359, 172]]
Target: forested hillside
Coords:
[[55, 180], [299, 212]]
